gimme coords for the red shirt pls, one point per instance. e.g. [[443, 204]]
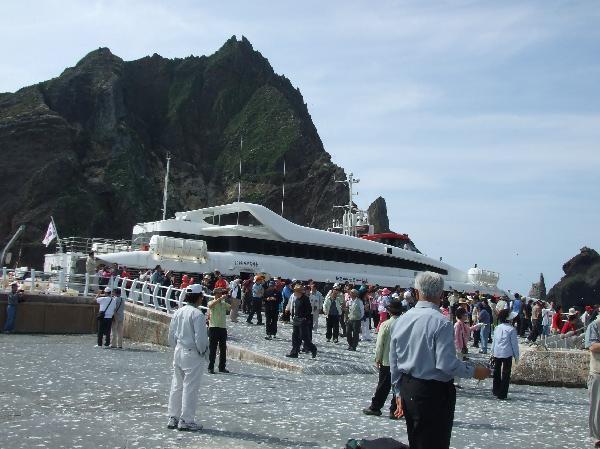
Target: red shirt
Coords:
[[569, 326]]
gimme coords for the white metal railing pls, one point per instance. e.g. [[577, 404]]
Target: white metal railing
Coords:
[[137, 291], [160, 297]]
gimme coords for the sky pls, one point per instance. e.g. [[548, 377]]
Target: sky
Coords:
[[477, 121]]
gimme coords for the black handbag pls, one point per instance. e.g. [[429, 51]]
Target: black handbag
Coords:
[[492, 363], [100, 315]]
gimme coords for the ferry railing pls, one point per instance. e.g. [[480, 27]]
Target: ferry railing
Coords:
[[138, 291], [144, 293]]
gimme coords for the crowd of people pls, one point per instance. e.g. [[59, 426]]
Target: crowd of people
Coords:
[[424, 336]]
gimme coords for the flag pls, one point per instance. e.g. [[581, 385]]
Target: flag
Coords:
[[51, 234]]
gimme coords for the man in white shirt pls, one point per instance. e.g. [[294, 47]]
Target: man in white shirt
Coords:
[[105, 315], [316, 302], [356, 312], [187, 333]]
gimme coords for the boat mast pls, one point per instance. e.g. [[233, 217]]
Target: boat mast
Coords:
[[166, 189], [349, 219], [240, 180]]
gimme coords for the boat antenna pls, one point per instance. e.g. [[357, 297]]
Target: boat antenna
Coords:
[[166, 189], [283, 189]]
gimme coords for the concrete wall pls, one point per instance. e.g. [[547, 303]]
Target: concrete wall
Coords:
[[566, 368], [49, 314], [146, 325]]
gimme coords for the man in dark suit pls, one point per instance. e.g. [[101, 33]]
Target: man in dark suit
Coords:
[[301, 313]]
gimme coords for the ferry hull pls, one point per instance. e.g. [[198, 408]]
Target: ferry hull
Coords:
[[233, 264]]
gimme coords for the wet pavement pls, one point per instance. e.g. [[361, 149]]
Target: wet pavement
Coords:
[[61, 392]]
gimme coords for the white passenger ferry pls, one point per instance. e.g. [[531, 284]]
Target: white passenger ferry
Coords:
[[240, 238]]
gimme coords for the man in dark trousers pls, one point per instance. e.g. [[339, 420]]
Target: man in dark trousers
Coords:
[[217, 330], [382, 361], [300, 312], [272, 302], [423, 364]]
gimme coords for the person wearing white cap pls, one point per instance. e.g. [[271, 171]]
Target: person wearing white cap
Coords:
[[187, 333], [105, 315], [505, 346]]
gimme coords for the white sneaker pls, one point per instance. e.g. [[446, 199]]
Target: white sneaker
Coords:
[[172, 424], [188, 426]]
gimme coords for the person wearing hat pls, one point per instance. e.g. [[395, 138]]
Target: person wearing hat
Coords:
[[105, 315], [592, 344], [258, 291], [300, 313], [187, 333], [272, 302], [11, 308], [356, 310], [332, 308], [572, 323], [382, 303], [505, 347], [382, 361], [217, 329]]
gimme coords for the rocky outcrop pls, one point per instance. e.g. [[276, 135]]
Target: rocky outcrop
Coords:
[[538, 289], [581, 283], [89, 146], [378, 216]]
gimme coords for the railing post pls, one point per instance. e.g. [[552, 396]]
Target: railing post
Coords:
[[181, 298], [154, 296], [32, 280], [61, 280], [144, 285], [168, 298], [86, 289], [132, 290]]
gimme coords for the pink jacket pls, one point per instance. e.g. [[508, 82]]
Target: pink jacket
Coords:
[[462, 333]]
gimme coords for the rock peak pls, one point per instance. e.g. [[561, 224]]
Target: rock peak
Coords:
[[101, 56]]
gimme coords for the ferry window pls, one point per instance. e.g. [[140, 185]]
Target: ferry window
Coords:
[[389, 250]]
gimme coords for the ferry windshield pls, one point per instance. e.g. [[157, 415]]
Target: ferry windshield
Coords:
[[404, 244], [243, 218]]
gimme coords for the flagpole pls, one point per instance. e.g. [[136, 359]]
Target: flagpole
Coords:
[[283, 188], [57, 237], [240, 179]]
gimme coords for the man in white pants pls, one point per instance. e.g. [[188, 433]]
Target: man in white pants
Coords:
[[187, 333]]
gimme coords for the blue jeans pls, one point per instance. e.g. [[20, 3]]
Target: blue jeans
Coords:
[[11, 314], [485, 334]]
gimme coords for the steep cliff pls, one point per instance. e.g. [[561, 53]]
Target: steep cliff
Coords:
[[89, 146], [378, 216], [581, 283]]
